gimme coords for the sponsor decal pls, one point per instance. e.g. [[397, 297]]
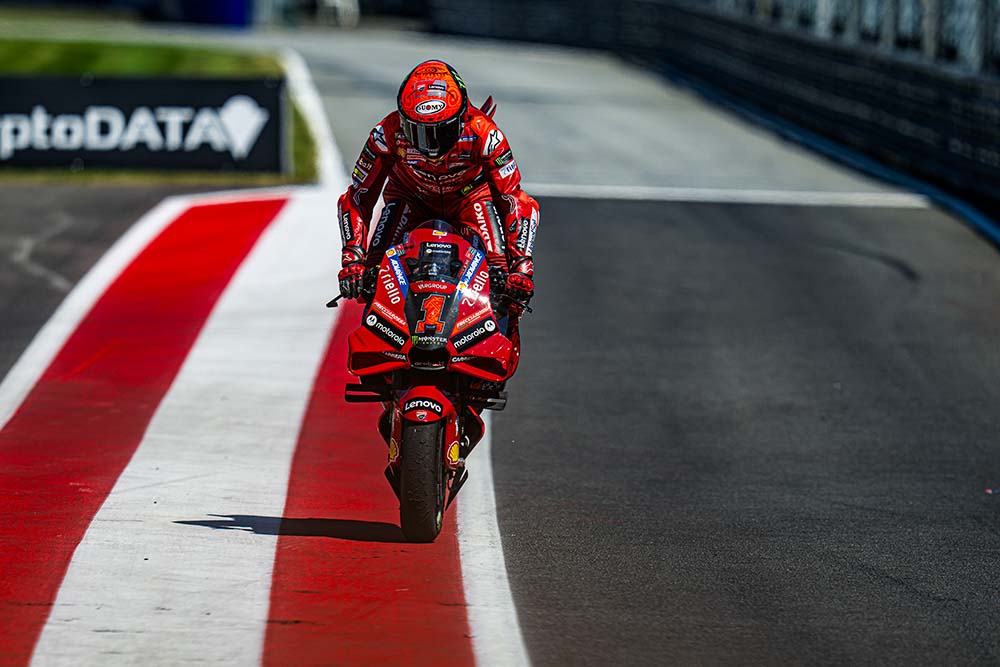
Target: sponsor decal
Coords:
[[423, 404], [493, 141], [453, 452], [483, 224], [431, 306], [358, 176], [475, 260], [504, 159], [397, 356], [382, 221], [438, 232], [378, 138], [429, 341], [345, 227], [367, 154], [397, 270], [472, 290], [522, 235], [234, 128], [392, 291], [525, 241], [393, 450], [390, 315], [508, 170], [430, 286], [467, 137], [422, 416], [430, 107], [469, 320], [461, 359], [437, 248], [476, 334], [529, 248], [385, 331]]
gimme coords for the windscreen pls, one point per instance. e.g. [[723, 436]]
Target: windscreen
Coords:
[[437, 261]]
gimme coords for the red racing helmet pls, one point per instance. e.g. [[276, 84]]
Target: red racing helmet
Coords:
[[431, 102]]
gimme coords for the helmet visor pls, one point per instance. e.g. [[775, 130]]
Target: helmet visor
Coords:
[[432, 139]]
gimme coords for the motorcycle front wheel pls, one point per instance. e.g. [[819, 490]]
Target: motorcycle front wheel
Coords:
[[422, 481]]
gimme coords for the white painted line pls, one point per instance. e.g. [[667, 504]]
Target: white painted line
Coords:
[[730, 196], [51, 337], [303, 90], [142, 588], [496, 634]]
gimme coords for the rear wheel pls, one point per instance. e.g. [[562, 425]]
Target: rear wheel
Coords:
[[422, 481]]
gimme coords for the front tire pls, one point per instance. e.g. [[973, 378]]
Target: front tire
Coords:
[[422, 481]]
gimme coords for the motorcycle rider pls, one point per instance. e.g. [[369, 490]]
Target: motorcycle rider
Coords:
[[438, 157]]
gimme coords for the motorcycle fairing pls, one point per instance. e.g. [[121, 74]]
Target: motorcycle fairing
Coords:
[[426, 404], [460, 333]]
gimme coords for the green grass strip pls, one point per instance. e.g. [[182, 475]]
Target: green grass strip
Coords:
[[37, 56]]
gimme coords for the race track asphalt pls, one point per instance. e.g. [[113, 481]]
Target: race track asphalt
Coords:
[[755, 435]]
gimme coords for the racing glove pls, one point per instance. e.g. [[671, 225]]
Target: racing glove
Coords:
[[520, 287], [351, 276]]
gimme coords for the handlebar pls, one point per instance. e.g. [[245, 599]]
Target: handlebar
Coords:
[[511, 300], [333, 303], [371, 274]]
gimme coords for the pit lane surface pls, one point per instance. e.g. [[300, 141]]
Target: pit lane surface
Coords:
[[740, 433], [755, 435]]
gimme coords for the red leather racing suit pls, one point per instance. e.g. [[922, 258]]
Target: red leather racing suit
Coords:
[[476, 183]]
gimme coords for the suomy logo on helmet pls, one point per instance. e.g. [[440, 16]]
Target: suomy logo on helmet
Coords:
[[430, 107]]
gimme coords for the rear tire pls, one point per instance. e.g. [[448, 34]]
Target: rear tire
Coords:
[[422, 481]]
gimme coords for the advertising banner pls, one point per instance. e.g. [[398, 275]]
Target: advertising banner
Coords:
[[162, 123]]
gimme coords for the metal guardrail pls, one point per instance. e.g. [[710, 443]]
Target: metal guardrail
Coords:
[[933, 118]]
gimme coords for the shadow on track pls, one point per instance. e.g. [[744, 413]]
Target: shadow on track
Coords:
[[339, 529]]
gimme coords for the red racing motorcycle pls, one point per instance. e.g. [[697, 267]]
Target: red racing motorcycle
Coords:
[[436, 344]]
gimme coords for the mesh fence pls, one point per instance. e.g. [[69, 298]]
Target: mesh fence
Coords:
[[964, 33]]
